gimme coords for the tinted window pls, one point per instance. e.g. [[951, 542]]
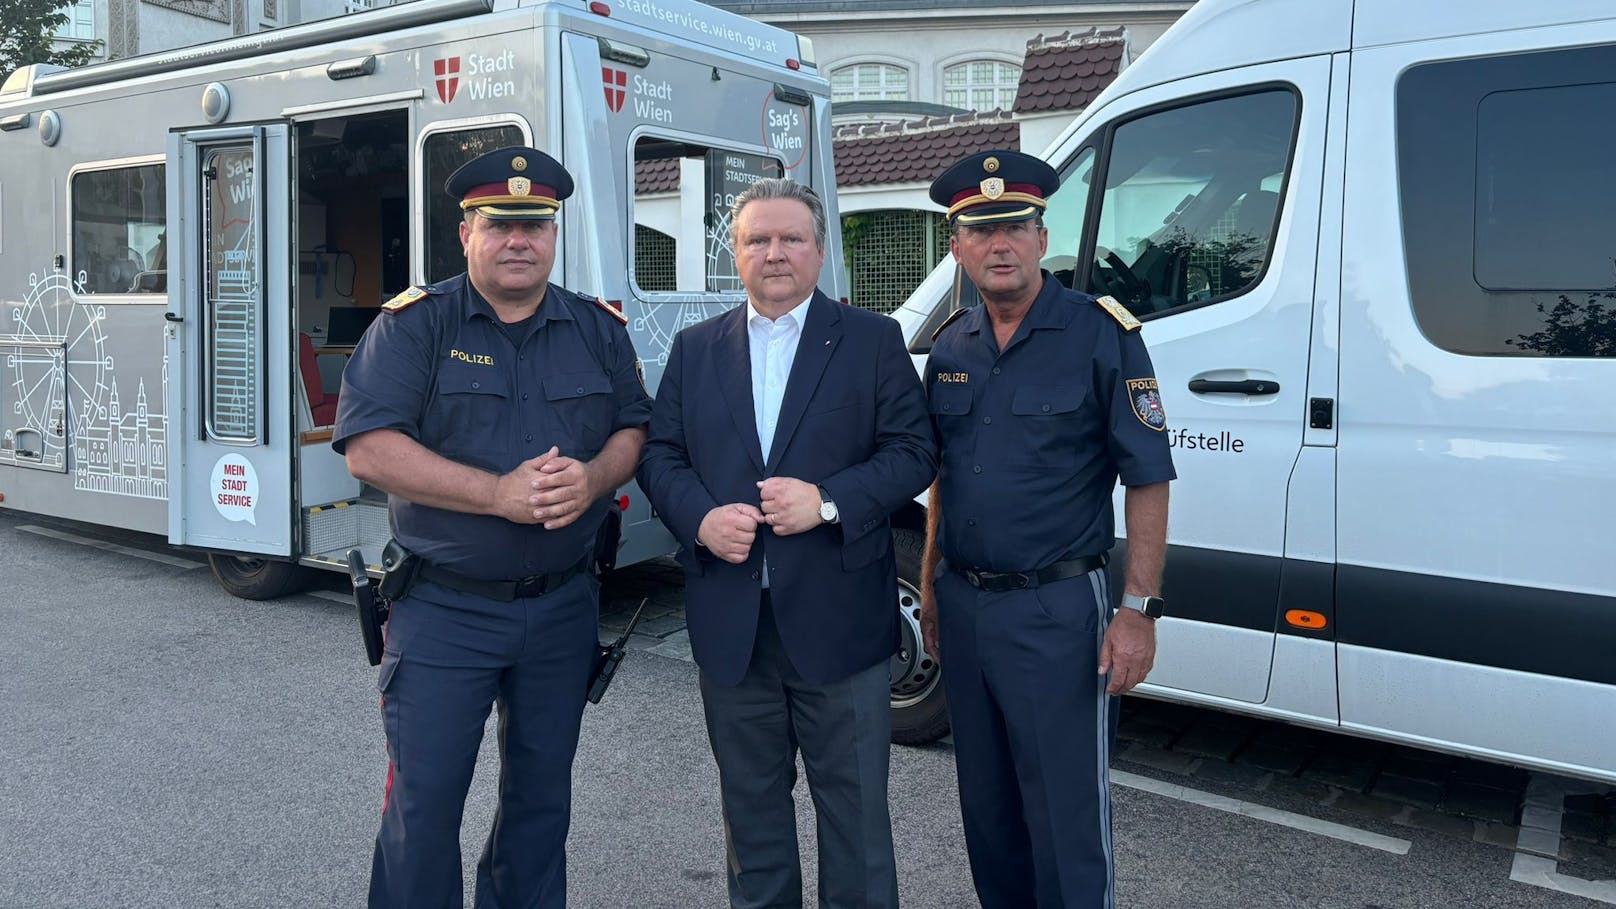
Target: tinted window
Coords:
[[120, 245], [442, 155], [1507, 193], [1191, 201]]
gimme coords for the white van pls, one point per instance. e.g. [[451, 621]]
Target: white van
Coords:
[[1373, 245]]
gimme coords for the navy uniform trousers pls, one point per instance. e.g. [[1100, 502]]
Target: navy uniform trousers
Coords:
[[450, 656], [1032, 734]]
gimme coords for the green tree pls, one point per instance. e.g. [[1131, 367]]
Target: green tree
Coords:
[[27, 28]]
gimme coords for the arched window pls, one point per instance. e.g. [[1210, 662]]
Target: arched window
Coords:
[[869, 82], [981, 85]]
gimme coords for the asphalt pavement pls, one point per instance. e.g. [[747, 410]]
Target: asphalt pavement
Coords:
[[165, 745]]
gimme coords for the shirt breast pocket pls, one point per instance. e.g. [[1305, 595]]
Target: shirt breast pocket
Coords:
[[581, 406], [951, 400], [1049, 421], [470, 413]]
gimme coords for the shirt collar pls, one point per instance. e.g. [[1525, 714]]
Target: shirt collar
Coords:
[[552, 309], [798, 313]]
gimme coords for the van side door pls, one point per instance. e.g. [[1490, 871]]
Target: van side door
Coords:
[[1200, 213]]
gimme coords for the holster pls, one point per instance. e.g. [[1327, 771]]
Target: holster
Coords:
[[372, 608]]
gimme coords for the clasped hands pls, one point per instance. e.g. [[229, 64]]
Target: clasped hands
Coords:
[[550, 489], [787, 506]]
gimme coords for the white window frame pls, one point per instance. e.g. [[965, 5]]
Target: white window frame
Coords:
[[887, 66], [998, 86]]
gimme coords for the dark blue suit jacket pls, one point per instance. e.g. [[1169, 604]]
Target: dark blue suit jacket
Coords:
[[854, 420]]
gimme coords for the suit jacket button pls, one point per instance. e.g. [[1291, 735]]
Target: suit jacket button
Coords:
[[756, 576]]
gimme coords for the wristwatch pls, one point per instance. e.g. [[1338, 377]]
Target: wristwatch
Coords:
[[827, 508], [1152, 607]]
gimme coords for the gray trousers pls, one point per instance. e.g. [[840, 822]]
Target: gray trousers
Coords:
[[844, 731]]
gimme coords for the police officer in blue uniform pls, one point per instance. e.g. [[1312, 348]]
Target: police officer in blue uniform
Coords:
[[497, 411], [1042, 398]]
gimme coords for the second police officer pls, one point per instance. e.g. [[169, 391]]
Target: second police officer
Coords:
[[497, 411], [1042, 398]]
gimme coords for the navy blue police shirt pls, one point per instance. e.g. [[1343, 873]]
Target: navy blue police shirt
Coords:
[[1035, 438], [444, 372]]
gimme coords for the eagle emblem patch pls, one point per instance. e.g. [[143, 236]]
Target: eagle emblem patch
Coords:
[[1147, 403]]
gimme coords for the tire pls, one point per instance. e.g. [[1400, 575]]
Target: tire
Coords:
[[919, 705], [259, 579]]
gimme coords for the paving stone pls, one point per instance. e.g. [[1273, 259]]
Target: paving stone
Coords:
[[1496, 776], [1284, 735], [661, 626], [1243, 775], [1418, 765], [1586, 803], [1145, 733], [1587, 827], [1437, 822], [1368, 806], [1588, 861], [1409, 791], [641, 642], [1170, 761], [1493, 834], [1346, 771], [1482, 802], [678, 650], [1272, 757], [1210, 740]]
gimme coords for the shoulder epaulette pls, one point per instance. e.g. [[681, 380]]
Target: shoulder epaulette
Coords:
[[1119, 312], [949, 321], [404, 300], [612, 310]]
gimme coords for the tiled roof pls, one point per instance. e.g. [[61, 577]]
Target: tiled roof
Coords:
[[658, 175], [918, 150], [1066, 71]]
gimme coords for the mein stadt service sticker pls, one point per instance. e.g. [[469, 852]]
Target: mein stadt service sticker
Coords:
[[1147, 403]]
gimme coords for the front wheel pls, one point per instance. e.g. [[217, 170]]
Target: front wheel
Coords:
[[259, 579], [919, 706]]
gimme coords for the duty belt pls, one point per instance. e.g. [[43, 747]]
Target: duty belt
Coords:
[[1000, 581], [504, 591]]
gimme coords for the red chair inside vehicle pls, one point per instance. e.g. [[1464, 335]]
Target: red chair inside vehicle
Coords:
[[323, 406]]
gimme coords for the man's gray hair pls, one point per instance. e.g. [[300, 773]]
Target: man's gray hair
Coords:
[[781, 188]]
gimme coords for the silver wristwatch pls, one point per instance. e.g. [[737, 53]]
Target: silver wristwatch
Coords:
[[827, 508], [1152, 607]]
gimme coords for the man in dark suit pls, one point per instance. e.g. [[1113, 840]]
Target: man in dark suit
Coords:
[[784, 433]]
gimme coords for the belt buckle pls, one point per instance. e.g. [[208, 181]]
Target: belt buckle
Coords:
[[974, 578], [531, 586]]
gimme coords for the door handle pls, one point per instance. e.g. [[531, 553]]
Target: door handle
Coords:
[[173, 317], [1242, 387]]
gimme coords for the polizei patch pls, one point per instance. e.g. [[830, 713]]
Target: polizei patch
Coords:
[[1147, 403]]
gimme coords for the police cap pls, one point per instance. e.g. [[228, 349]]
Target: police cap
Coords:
[[511, 184], [995, 186]]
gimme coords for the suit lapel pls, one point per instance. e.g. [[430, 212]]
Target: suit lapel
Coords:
[[821, 332], [734, 362]]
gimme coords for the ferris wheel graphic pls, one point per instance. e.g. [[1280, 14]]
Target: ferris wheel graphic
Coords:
[[60, 368]]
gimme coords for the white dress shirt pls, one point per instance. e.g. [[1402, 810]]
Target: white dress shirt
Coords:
[[773, 345]]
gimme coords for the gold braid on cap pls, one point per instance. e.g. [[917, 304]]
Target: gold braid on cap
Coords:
[[978, 199]]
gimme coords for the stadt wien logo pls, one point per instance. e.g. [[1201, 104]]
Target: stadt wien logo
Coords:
[[446, 75], [616, 84]]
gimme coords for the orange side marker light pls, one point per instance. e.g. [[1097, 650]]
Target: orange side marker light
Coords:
[[1306, 618]]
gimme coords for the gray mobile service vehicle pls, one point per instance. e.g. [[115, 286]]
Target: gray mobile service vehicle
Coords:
[[191, 243]]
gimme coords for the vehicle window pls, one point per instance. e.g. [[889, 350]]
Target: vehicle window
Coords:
[[442, 154], [1507, 191], [682, 196], [1064, 219], [1191, 201], [119, 240]]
